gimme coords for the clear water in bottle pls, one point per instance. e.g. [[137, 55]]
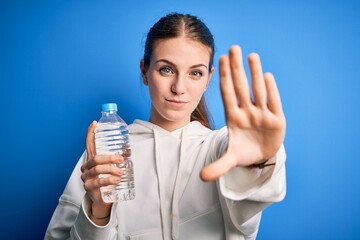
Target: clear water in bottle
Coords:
[[111, 138]]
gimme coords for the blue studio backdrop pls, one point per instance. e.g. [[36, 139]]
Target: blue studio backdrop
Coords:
[[60, 60]]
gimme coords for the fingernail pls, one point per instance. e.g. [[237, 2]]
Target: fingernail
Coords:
[[119, 158]]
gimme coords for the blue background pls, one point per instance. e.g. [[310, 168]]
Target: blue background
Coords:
[[60, 60]]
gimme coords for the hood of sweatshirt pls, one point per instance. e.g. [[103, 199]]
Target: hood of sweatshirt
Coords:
[[193, 129], [187, 137]]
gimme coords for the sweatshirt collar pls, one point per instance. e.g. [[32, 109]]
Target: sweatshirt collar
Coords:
[[143, 127]]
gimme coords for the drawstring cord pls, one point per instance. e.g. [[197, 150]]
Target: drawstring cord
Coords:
[[176, 198], [163, 211], [185, 168]]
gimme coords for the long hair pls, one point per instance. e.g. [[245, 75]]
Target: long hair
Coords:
[[175, 25]]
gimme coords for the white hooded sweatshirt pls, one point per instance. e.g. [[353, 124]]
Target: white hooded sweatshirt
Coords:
[[172, 202]]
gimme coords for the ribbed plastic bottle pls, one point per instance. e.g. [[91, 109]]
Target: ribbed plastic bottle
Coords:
[[112, 138]]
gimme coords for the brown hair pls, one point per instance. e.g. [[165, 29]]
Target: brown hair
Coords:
[[172, 26]]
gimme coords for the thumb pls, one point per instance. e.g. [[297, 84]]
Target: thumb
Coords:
[[218, 168], [90, 140]]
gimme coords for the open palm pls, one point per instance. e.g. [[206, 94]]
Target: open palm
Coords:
[[256, 125]]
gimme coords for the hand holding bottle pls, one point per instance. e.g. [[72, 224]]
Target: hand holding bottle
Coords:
[[91, 170]]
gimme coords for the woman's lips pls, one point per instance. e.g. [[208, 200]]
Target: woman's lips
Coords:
[[176, 103]]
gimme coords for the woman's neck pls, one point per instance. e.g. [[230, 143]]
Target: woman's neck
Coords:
[[166, 124]]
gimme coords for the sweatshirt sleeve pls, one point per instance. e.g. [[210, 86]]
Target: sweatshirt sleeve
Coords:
[[67, 210], [70, 219], [84, 228], [246, 192]]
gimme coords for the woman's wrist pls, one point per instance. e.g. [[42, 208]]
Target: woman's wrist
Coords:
[[100, 215], [262, 164], [91, 215]]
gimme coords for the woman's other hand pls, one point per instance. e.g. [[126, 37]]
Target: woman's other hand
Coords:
[[256, 126]]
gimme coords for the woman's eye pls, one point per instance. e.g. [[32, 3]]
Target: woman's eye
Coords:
[[166, 70], [196, 74]]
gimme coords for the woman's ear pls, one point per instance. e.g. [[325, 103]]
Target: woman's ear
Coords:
[[143, 72]]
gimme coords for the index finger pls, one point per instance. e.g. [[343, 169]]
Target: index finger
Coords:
[[90, 140], [226, 86]]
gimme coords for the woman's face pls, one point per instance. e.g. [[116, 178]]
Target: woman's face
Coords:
[[177, 77]]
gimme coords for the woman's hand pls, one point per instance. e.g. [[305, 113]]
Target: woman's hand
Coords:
[[256, 126], [96, 165]]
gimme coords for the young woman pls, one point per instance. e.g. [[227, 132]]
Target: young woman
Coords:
[[177, 156]]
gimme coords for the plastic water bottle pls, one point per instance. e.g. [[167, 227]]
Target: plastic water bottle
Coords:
[[112, 138]]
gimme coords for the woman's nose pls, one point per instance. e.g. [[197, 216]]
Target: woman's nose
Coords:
[[178, 87]]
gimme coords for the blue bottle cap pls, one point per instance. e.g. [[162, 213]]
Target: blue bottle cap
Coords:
[[109, 107]]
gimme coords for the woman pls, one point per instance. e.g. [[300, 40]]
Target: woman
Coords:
[[175, 145]]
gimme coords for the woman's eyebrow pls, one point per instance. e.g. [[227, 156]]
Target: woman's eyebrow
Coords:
[[173, 64], [199, 65], [166, 61]]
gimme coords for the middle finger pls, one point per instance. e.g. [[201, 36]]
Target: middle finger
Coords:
[[101, 160], [101, 169], [238, 74]]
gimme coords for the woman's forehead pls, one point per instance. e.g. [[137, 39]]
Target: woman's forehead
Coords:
[[181, 51]]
